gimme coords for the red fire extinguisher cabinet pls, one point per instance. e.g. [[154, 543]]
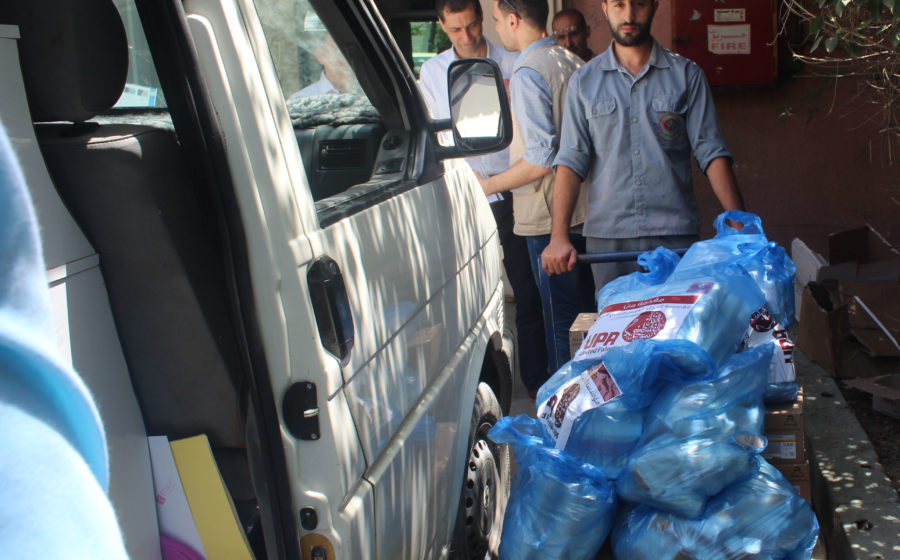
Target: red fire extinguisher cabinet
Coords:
[[732, 40]]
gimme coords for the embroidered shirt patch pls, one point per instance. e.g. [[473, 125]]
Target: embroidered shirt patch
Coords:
[[670, 126]]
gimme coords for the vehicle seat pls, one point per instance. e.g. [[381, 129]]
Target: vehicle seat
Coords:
[[129, 188]]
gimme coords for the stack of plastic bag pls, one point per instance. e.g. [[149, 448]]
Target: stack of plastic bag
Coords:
[[559, 507], [661, 410], [699, 437], [759, 517], [709, 306], [773, 271], [594, 410]]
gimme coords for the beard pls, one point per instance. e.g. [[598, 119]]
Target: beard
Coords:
[[639, 38]]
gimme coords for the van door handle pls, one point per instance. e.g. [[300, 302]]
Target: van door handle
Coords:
[[331, 307]]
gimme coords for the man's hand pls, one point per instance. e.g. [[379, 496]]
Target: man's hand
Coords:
[[485, 184], [558, 257]]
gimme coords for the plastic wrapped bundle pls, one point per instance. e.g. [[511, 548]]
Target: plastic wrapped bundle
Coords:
[[659, 264], [766, 262], [782, 379], [760, 517], [710, 306], [594, 410], [774, 272], [729, 244], [558, 507], [699, 437]]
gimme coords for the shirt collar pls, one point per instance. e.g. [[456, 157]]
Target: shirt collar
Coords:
[[608, 61], [491, 47], [548, 41]]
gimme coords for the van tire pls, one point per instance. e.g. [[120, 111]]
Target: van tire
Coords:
[[486, 484]]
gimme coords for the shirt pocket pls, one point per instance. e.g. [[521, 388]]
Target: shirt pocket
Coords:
[[668, 111], [603, 121]]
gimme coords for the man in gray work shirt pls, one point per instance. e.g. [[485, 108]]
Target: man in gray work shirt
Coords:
[[632, 117]]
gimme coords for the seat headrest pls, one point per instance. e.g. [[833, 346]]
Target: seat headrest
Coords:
[[74, 56]]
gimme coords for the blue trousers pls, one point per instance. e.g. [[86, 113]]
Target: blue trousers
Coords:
[[530, 337], [563, 297]]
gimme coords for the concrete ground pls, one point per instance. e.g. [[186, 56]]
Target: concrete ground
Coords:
[[857, 507]]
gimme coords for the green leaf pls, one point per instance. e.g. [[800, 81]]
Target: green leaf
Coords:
[[815, 26], [831, 43], [895, 40], [815, 44], [889, 4], [839, 8]]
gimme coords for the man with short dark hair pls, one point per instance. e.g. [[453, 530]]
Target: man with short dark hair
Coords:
[[572, 32], [633, 117], [462, 21], [537, 90]]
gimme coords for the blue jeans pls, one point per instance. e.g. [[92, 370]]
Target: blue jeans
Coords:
[[563, 297], [530, 337]]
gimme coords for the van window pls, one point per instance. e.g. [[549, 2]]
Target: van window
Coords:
[[419, 39], [338, 129], [142, 88]]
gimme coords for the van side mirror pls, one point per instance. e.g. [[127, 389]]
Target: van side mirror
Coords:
[[479, 108]]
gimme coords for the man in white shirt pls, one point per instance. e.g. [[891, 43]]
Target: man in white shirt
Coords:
[[336, 76], [462, 21]]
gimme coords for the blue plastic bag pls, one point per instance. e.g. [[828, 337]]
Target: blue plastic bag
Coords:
[[594, 410], [760, 517], [699, 437], [774, 272], [729, 244], [766, 262], [709, 305], [559, 508], [659, 264]]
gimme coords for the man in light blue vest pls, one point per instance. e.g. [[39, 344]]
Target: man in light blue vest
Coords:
[[537, 90], [462, 21]]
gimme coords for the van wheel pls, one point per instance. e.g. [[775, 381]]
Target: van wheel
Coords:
[[486, 484]]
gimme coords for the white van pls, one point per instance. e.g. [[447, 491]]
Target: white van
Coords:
[[309, 280]]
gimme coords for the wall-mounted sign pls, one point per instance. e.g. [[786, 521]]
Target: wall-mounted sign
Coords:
[[730, 15], [728, 39]]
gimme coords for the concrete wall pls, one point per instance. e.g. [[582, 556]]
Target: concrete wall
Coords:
[[805, 179]]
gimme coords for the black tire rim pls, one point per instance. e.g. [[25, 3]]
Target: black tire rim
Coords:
[[480, 492]]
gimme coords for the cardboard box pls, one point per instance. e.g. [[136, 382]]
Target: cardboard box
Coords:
[[885, 391], [824, 326], [785, 446], [850, 319], [579, 329], [785, 417], [808, 263], [861, 253], [783, 428], [798, 475]]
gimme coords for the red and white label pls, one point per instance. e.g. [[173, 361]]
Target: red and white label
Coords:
[[589, 390], [766, 330], [619, 324], [728, 39]]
